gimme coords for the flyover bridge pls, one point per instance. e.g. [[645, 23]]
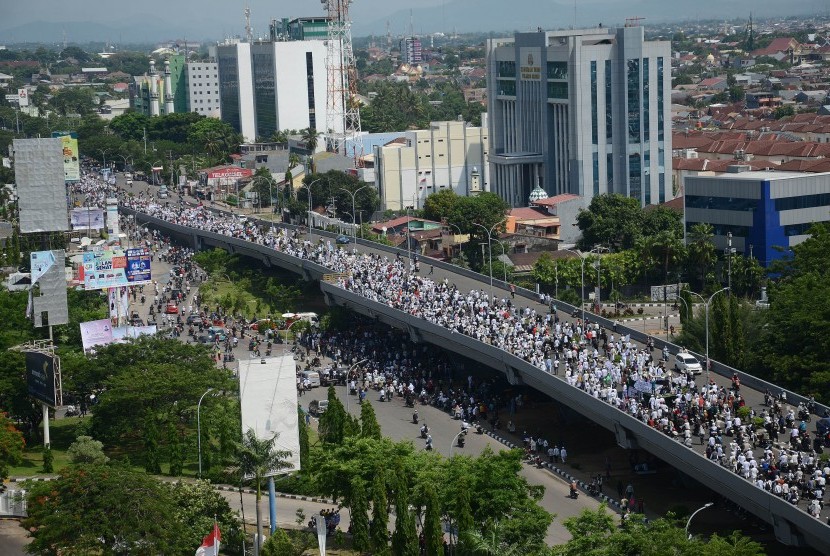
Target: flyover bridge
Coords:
[[792, 525]]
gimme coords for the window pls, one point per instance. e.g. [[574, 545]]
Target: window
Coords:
[[557, 70], [635, 179], [723, 229], [594, 116], [609, 128], [506, 69], [802, 202], [646, 121], [722, 203], [609, 171], [799, 229], [596, 174], [662, 184], [558, 90], [507, 87], [633, 81]]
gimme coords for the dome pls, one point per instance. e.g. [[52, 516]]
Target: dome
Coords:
[[538, 194]]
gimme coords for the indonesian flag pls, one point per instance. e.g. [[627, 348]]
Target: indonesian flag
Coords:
[[210, 544]]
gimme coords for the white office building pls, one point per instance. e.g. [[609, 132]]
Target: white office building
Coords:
[[584, 112], [448, 155], [270, 86], [202, 82]]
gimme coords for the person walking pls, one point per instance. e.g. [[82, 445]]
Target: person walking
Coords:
[[563, 453]]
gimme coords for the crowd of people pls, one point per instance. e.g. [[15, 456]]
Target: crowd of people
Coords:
[[607, 366]]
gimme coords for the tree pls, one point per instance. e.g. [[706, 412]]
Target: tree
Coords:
[[612, 220], [369, 426], [405, 537], [487, 209], [490, 542], [93, 509], [332, 425], [11, 445], [701, 253], [258, 459], [87, 450], [303, 434], [378, 528], [130, 125], [433, 532], [359, 512]]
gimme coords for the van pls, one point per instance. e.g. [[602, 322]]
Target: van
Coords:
[[318, 407], [685, 362], [128, 176], [312, 376], [309, 317]]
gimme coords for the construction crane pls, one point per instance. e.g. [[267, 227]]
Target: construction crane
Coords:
[[343, 114]]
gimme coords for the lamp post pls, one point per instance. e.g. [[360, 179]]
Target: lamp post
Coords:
[[460, 252], [503, 264], [706, 309], [599, 249], [729, 252], [348, 404], [707, 505], [582, 297], [270, 195], [463, 432], [199, 428], [310, 222], [489, 233], [354, 194], [104, 153]]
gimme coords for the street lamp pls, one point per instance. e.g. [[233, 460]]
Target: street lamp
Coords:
[[310, 222], [104, 153], [271, 182], [599, 249], [354, 194], [706, 308], [199, 428], [348, 404], [463, 432], [490, 245], [707, 505], [582, 297]]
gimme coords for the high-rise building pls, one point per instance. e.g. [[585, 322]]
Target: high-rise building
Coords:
[[448, 155], [585, 112], [411, 52], [269, 86], [202, 84]]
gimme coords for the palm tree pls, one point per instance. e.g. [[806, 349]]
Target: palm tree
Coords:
[[702, 253], [309, 136], [213, 144], [258, 459], [491, 541]]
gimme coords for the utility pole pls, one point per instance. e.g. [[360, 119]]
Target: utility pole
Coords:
[[729, 252]]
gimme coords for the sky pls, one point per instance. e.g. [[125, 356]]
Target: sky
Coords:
[[154, 20]]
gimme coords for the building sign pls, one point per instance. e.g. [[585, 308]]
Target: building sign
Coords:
[[112, 268], [40, 377], [71, 164], [22, 97], [530, 68], [230, 173]]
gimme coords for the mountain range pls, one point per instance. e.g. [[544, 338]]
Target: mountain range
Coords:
[[497, 16]]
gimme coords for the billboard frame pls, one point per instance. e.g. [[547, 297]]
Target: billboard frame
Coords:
[[47, 348]]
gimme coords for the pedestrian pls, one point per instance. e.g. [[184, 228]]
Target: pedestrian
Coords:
[[431, 270], [563, 453], [556, 453], [513, 291]]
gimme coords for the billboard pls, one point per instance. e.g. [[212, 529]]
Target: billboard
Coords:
[[87, 219], [120, 333], [22, 97], [96, 333], [40, 377], [112, 268], [49, 269], [69, 148], [268, 394], [113, 226], [41, 186]]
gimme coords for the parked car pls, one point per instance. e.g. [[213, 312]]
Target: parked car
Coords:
[[318, 407], [343, 240], [685, 362]]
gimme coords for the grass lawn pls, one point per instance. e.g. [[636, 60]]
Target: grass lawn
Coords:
[[62, 433]]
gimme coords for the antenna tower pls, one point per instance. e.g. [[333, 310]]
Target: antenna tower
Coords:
[[249, 31], [343, 114]]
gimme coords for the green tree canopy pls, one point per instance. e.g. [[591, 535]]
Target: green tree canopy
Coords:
[[612, 220]]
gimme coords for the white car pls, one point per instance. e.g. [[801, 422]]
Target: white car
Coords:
[[686, 363]]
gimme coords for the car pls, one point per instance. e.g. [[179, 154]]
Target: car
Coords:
[[129, 181], [318, 407], [218, 332], [195, 320], [343, 240], [685, 362], [128, 175], [171, 309]]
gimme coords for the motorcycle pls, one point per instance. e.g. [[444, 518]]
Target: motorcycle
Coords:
[[428, 445], [461, 441], [479, 429], [424, 431], [574, 492], [415, 418]]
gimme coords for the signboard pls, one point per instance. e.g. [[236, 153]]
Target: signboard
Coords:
[[96, 333], [122, 332], [40, 376], [41, 262], [71, 164], [112, 268], [87, 218], [268, 393], [12, 98], [231, 172], [22, 97], [41, 186], [113, 228], [530, 64]]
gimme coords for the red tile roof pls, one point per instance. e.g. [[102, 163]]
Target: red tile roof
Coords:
[[555, 200]]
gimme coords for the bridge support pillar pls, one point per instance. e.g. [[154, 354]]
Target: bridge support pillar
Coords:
[[785, 533], [624, 437], [415, 335]]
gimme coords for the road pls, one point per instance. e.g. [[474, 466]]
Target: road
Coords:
[[753, 398]]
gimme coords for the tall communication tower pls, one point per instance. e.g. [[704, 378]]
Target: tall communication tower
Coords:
[[343, 114]]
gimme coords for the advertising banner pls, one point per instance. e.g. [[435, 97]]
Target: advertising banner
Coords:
[[96, 333], [112, 268], [71, 162], [87, 218], [113, 227], [40, 376], [41, 262], [23, 97], [123, 332], [119, 301]]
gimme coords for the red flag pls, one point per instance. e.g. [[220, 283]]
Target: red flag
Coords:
[[210, 544]]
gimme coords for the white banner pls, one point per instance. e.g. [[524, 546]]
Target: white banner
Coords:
[[96, 333], [23, 97], [41, 262]]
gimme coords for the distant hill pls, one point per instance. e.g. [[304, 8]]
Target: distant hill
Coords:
[[506, 15]]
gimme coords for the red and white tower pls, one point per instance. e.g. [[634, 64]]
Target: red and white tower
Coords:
[[343, 109]]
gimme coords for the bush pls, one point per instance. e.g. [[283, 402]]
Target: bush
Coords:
[[87, 450], [640, 311]]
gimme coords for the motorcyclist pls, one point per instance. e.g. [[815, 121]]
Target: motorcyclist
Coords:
[[428, 445], [415, 417], [424, 431]]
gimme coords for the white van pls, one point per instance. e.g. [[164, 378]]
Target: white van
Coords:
[[310, 317], [312, 376], [686, 363]]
